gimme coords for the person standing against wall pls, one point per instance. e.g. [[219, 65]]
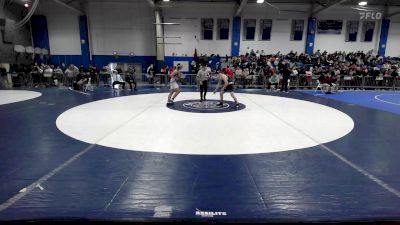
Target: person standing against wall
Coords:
[[285, 78], [3, 77], [150, 73], [131, 77]]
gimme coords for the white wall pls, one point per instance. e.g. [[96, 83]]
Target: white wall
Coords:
[[281, 28], [393, 44], [336, 42], [122, 26], [126, 26], [189, 16], [63, 28]]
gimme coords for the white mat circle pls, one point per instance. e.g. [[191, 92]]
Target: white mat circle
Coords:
[[11, 96], [144, 123]]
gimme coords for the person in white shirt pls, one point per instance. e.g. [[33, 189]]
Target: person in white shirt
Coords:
[[258, 54], [209, 69], [117, 79], [295, 72], [71, 72], [150, 73], [48, 75], [58, 74]]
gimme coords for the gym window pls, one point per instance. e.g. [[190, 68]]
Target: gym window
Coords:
[[207, 26], [351, 31], [297, 30], [249, 29], [368, 30], [265, 30], [223, 29]]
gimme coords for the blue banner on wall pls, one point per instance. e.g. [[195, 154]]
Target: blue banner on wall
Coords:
[[310, 35], [40, 34], [235, 49], [84, 36], [384, 37]]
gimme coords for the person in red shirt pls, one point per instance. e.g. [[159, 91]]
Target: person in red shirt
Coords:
[[172, 69], [229, 72]]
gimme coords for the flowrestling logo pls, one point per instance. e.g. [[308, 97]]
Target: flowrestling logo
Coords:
[[370, 15]]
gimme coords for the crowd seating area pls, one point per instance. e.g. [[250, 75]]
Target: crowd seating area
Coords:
[[356, 70]]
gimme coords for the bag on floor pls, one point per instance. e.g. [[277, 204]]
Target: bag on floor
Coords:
[[76, 87]]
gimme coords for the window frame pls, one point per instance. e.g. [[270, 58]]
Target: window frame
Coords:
[[348, 24], [293, 29], [202, 23], [219, 20], [245, 29], [261, 30], [364, 30]]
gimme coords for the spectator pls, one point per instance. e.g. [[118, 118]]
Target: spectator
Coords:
[[130, 78], [273, 80], [285, 78], [81, 80], [48, 75], [3, 77], [71, 72], [117, 79], [57, 75], [150, 73], [93, 74]]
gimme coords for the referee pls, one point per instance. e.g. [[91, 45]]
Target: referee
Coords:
[[202, 77]]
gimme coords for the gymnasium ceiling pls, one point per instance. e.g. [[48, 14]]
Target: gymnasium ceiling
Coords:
[[318, 2], [77, 4]]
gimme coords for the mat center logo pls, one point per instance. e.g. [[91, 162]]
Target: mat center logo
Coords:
[[209, 106], [206, 105]]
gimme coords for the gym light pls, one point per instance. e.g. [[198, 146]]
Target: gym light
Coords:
[[26, 5], [260, 1], [362, 3], [165, 0]]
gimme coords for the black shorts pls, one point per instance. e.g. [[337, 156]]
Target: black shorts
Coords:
[[229, 88]]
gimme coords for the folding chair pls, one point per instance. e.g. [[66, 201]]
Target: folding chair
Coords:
[[319, 86], [89, 85]]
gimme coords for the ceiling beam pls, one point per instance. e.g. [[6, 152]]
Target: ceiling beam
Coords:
[[152, 4], [393, 14], [328, 6], [69, 2], [243, 3], [69, 7]]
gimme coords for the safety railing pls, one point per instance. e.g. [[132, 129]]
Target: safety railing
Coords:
[[300, 81]]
